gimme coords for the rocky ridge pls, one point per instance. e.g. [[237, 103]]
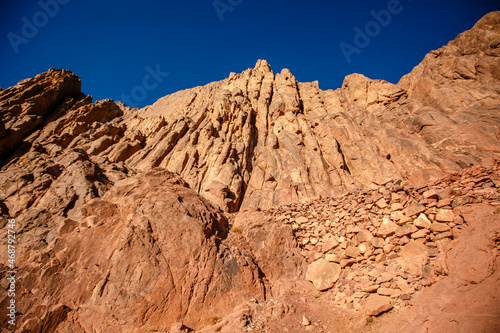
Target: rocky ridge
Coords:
[[260, 139]]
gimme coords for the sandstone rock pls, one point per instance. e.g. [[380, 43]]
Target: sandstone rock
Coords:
[[396, 206], [415, 250], [431, 194], [330, 244], [470, 291], [387, 291], [376, 304], [405, 230], [422, 221], [371, 288], [136, 221], [420, 234], [445, 215], [381, 203], [323, 274], [352, 252], [415, 209], [387, 228], [365, 236], [377, 242], [302, 220], [439, 227]]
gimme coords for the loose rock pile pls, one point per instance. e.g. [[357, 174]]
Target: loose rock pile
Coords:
[[376, 249]]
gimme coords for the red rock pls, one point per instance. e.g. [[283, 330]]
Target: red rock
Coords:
[[352, 252], [98, 222], [323, 274], [447, 234], [405, 230], [330, 244], [420, 234], [445, 215], [381, 203], [371, 288], [396, 206], [301, 220], [439, 227], [422, 221], [377, 242], [431, 194], [364, 236], [415, 209], [415, 250], [387, 228], [376, 304]]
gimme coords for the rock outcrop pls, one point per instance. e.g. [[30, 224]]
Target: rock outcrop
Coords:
[[259, 139], [256, 202], [148, 253]]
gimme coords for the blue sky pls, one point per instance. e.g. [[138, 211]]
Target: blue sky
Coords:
[[114, 46]]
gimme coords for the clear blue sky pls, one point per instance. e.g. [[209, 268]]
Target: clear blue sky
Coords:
[[109, 44]]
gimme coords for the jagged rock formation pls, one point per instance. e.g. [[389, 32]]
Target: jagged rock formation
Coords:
[[110, 235], [257, 139]]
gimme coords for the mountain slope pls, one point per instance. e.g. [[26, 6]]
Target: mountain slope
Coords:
[[257, 139]]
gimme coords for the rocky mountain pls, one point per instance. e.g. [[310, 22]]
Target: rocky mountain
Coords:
[[237, 202]]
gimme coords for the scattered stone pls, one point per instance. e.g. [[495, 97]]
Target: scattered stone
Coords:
[[445, 215], [352, 252], [376, 304], [415, 209], [431, 194], [387, 228], [370, 289], [396, 206], [422, 221], [405, 230], [302, 220], [381, 203], [439, 227], [323, 274], [365, 236], [377, 242], [330, 244], [420, 234]]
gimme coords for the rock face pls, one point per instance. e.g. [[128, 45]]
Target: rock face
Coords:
[[151, 245], [123, 216], [259, 139]]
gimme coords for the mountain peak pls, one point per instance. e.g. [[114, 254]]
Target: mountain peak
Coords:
[[263, 65]]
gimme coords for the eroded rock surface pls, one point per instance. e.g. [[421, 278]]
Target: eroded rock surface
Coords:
[[260, 139], [148, 252]]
